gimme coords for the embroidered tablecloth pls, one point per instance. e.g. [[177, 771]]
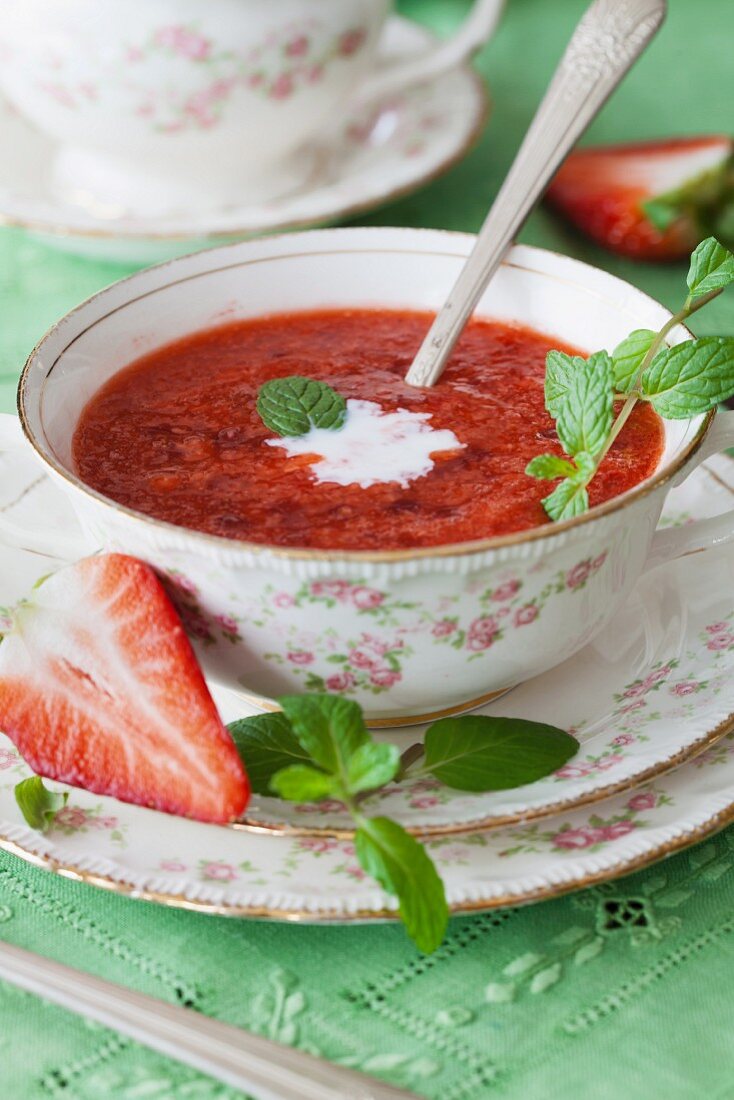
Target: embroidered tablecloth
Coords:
[[510, 1006]]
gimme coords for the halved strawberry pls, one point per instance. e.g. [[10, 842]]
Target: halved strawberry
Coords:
[[100, 688], [649, 201]]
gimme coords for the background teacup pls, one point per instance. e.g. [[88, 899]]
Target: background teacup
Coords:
[[160, 105]]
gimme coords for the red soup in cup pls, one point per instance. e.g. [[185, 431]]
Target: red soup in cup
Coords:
[[177, 435]]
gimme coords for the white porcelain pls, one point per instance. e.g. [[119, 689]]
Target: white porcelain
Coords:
[[406, 633], [378, 152], [161, 104], [644, 697], [179, 862]]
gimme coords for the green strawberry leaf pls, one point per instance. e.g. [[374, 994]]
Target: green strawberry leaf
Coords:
[[300, 783], [329, 727], [482, 753], [661, 213], [627, 358], [585, 415], [549, 466], [690, 378], [404, 869], [38, 805], [371, 766], [266, 744], [712, 268], [294, 405]]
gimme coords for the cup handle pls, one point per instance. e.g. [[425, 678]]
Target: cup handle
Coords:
[[473, 33], [705, 533], [54, 544]]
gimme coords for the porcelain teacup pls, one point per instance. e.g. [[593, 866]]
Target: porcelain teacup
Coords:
[[418, 632], [166, 105]]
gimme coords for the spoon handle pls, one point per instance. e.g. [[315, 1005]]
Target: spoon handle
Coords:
[[606, 43]]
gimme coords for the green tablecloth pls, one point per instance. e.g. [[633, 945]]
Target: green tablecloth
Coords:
[[650, 1015]]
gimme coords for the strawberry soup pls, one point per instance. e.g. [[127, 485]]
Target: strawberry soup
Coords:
[[177, 435]]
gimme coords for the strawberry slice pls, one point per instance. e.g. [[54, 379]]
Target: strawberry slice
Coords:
[[649, 201], [100, 688]]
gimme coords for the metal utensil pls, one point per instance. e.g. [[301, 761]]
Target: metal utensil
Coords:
[[240, 1059], [606, 43]]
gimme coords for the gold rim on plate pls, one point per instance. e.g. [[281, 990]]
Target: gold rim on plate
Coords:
[[716, 822]]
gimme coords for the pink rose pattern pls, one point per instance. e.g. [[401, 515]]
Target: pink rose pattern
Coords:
[[277, 69], [592, 836], [204, 629], [72, 819], [370, 661]]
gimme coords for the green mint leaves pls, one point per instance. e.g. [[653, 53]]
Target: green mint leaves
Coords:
[[480, 753], [690, 378], [38, 805], [319, 747], [628, 357], [294, 405], [679, 382], [712, 268], [404, 869], [268, 745], [584, 415]]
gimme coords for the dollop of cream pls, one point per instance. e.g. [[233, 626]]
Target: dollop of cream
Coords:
[[372, 446]]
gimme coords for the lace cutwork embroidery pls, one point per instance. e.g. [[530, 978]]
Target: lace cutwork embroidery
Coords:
[[74, 919]]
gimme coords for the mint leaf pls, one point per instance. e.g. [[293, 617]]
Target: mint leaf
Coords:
[[482, 753], [627, 358], [299, 783], [294, 405], [371, 766], [585, 414], [550, 466], [404, 869], [712, 268], [266, 744], [559, 369], [329, 727], [38, 805], [570, 498], [690, 378]]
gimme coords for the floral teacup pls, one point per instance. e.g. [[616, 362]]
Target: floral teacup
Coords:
[[161, 105], [409, 634]]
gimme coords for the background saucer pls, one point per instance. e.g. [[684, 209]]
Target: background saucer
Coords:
[[376, 156]]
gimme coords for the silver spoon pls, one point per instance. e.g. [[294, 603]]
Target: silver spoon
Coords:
[[257, 1066], [606, 43]]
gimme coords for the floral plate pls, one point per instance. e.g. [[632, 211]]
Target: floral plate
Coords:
[[652, 691], [376, 156], [678, 663], [182, 863]]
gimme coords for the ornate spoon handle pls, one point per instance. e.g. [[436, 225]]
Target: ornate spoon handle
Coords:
[[608, 40]]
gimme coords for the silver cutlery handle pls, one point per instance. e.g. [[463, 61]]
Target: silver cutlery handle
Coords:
[[240, 1059], [608, 40]]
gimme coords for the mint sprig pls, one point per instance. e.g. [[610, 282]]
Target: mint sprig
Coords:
[[292, 406], [37, 803], [320, 747], [680, 382]]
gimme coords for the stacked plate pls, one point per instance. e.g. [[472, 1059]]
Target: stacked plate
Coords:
[[651, 702]]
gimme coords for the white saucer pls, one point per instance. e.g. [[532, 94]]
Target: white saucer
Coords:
[[178, 862], [378, 155], [630, 705]]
